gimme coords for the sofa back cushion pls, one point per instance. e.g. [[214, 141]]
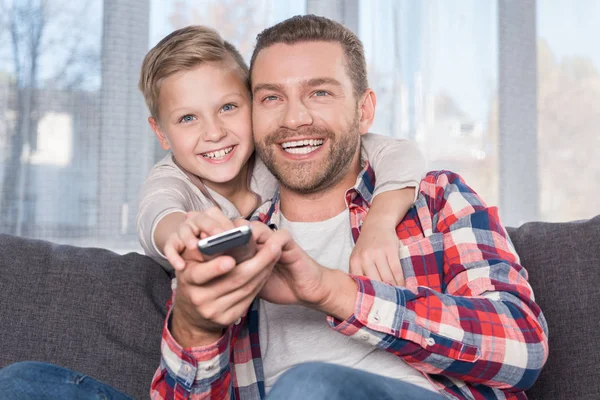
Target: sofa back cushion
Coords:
[[563, 261], [94, 311], [90, 310]]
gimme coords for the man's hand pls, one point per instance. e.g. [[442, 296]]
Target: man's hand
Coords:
[[298, 279], [211, 295], [376, 252]]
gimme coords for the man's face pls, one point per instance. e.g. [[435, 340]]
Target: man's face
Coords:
[[305, 115]]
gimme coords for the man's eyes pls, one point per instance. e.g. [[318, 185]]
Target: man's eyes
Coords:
[[316, 93], [269, 98], [321, 93]]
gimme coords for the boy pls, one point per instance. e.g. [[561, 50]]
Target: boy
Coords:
[[196, 87]]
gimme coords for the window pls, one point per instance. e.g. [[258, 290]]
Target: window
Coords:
[[461, 78]]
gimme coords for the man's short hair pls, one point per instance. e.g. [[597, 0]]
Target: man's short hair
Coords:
[[183, 50], [312, 28]]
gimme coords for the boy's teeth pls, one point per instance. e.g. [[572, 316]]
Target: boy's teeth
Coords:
[[218, 154]]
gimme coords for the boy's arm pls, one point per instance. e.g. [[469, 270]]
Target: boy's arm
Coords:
[[163, 203], [399, 167], [397, 163], [165, 227]]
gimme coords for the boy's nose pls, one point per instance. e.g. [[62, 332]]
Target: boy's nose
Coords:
[[213, 133]]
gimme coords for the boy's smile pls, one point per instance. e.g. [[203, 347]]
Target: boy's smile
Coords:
[[205, 121]]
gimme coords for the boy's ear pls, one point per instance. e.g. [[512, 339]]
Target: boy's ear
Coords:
[[162, 138], [366, 109]]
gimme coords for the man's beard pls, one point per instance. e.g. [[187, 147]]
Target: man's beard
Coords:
[[312, 176]]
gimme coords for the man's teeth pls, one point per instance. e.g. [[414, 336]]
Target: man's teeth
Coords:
[[302, 146], [215, 155]]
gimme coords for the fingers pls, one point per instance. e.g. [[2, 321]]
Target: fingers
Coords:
[[173, 248], [355, 265], [260, 232], [384, 269], [370, 269], [396, 268], [201, 273], [210, 222]]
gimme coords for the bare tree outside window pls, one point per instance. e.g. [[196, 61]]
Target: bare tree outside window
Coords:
[[45, 47]]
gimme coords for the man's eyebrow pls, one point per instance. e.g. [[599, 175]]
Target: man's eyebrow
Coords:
[[267, 86], [322, 81]]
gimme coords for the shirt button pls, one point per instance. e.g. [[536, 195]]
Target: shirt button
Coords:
[[430, 341], [376, 317], [239, 320], [187, 369], [364, 337], [210, 367]]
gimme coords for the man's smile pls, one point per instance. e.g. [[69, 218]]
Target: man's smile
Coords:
[[305, 146]]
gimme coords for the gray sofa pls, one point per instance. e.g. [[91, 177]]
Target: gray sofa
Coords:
[[101, 313]]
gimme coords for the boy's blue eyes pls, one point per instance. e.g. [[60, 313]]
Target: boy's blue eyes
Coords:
[[190, 118]]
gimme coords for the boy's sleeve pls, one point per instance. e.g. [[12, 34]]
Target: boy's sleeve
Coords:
[[263, 182], [398, 163], [160, 196]]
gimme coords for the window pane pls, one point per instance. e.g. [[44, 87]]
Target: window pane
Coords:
[[568, 108], [49, 118], [433, 65]]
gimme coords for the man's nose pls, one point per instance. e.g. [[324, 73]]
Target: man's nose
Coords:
[[296, 115]]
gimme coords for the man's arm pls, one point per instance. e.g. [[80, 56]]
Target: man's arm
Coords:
[[211, 299], [195, 372], [483, 326]]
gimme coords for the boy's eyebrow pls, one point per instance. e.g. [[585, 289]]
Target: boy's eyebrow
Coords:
[[310, 82]]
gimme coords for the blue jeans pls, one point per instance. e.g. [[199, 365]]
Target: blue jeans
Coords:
[[42, 381], [319, 381]]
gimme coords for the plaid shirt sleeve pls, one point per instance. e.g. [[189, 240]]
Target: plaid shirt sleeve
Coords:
[[467, 311], [195, 373]]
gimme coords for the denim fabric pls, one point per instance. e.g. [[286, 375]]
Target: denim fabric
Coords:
[[321, 381], [42, 381]]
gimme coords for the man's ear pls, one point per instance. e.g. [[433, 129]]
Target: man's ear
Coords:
[[366, 109], [162, 138]]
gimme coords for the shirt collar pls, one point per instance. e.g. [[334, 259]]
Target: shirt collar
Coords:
[[361, 194]]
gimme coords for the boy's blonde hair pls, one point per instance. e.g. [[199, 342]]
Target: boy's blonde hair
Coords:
[[183, 50]]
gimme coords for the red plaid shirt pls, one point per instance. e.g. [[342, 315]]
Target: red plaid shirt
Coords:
[[466, 318]]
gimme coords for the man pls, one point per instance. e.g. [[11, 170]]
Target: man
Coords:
[[463, 325]]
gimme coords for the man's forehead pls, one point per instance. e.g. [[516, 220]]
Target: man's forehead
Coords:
[[299, 63]]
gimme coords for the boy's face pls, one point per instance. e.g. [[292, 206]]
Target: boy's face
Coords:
[[205, 120]]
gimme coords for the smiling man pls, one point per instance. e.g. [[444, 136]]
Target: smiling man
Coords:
[[292, 323]]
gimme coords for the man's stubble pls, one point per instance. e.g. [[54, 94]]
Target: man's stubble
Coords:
[[311, 176]]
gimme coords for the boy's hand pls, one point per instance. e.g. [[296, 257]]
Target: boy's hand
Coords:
[[182, 245], [375, 254]]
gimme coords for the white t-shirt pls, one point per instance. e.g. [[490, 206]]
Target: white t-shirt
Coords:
[[291, 335]]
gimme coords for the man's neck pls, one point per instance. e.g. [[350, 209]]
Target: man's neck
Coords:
[[319, 206]]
